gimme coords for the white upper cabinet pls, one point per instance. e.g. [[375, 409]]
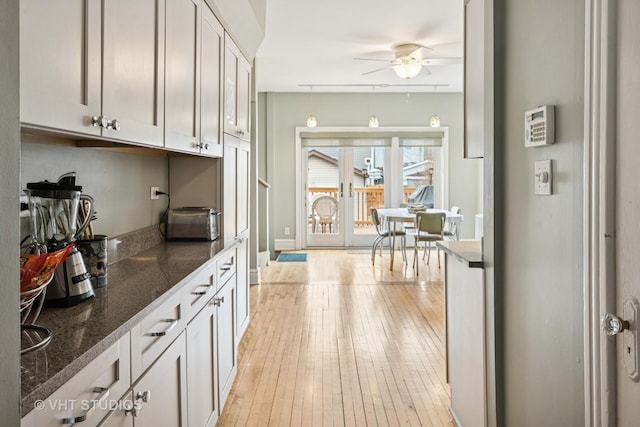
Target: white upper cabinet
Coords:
[[237, 83], [133, 70], [94, 69], [193, 78], [211, 83], [60, 62], [182, 85]]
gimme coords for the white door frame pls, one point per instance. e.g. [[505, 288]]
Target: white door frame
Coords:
[[355, 132], [599, 211]]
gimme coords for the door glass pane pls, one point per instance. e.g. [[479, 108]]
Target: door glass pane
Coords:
[[422, 175], [369, 165], [323, 181]]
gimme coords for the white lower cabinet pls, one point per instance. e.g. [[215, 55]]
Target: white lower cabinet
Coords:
[[86, 398], [175, 367], [160, 395], [242, 286], [202, 377], [225, 301], [121, 415]]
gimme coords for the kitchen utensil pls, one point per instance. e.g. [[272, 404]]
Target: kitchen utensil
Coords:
[[54, 211], [53, 208], [94, 253]]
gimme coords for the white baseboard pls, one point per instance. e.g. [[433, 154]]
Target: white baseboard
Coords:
[[284, 244], [254, 276], [264, 259]]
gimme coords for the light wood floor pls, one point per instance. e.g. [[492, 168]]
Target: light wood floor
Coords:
[[337, 341]]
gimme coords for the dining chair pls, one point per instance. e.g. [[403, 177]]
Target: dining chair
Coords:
[[429, 228], [324, 211], [451, 228], [384, 233]]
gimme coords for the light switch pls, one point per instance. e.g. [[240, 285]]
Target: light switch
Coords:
[[543, 177]]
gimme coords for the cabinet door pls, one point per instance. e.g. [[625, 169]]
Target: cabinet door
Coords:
[[211, 84], [236, 187], [87, 396], [133, 69], [229, 185], [231, 55], [162, 391], [242, 287], [242, 188], [244, 99], [182, 78], [119, 417], [226, 339], [60, 60], [202, 380]]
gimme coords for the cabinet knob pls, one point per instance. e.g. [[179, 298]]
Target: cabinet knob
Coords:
[[114, 124], [99, 121], [143, 396]]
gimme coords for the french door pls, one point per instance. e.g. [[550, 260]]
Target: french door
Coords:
[[342, 182], [343, 178]]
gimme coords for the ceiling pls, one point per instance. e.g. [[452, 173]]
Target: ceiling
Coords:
[[310, 45]]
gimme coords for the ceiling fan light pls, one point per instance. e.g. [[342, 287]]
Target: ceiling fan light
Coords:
[[407, 71], [373, 121], [311, 121]]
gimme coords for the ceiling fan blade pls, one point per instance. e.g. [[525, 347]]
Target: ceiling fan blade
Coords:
[[375, 71], [441, 61], [371, 59]]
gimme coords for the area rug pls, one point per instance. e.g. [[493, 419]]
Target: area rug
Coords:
[[295, 257]]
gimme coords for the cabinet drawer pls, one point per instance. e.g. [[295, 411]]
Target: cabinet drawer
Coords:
[[200, 289], [155, 332], [86, 398], [226, 267]]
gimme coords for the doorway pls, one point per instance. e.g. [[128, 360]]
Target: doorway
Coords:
[[613, 196], [343, 172]]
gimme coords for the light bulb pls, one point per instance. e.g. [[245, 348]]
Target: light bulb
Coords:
[[311, 121], [407, 71], [373, 121]]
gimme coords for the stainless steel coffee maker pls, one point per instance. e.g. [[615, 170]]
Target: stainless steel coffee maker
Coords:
[[54, 208]]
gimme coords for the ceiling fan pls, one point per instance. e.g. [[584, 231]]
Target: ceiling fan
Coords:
[[408, 61]]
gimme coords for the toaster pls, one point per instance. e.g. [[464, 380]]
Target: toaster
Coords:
[[192, 223]]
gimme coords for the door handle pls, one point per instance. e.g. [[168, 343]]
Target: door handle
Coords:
[[628, 323], [351, 189], [341, 189]]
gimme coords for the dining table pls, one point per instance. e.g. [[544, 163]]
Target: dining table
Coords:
[[392, 216]]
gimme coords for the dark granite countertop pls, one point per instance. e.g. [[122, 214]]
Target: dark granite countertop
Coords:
[[467, 251], [136, 285]]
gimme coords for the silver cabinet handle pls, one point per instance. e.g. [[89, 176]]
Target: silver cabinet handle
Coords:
[[141, 397], [99, 121], [113, 124], [217, 301], [201, 292], [104, 394], [172, 324], [225, 268]]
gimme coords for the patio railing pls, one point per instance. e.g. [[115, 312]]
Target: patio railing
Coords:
[[364, 199]]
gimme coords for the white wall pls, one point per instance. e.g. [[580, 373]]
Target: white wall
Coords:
[[119, 182], [9, 206], [539, 60], [285, 111]]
